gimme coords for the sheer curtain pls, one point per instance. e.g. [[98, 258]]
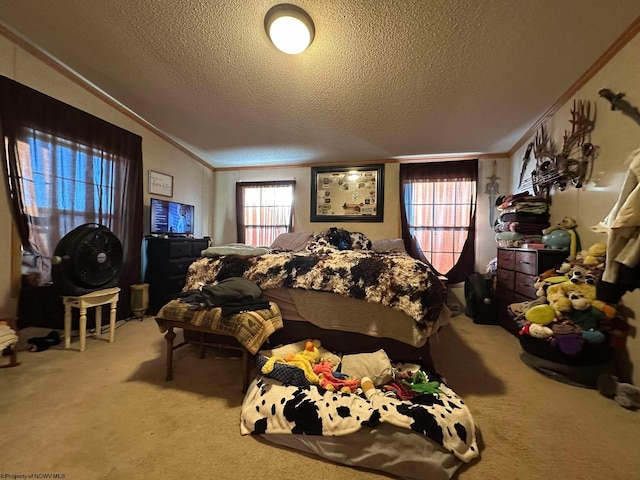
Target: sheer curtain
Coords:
[[438, 209], [63, 168], [264, 210]]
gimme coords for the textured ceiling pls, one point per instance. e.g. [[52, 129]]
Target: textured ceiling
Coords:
[[382, 78]]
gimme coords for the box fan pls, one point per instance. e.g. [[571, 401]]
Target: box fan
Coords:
[[86, 259]]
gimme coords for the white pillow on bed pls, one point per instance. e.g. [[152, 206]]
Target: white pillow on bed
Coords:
[[377, 366]]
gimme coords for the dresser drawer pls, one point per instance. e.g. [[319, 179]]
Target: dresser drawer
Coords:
[[524, 285], [177, 266], [175, 284], [505, 279], [506, 259], [197, 246], [527, 262], [179, 249]]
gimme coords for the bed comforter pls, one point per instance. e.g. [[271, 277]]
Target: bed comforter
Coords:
[[394, 280]]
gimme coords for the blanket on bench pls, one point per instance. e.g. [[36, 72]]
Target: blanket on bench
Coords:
[[250, 328]]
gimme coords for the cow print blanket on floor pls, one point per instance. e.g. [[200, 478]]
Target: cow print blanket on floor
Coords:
[[271, 407], [395, 280]]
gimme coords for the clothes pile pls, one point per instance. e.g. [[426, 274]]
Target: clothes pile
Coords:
[[522, 219]]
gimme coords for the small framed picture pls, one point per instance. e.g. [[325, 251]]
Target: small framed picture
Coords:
[[160, 184]]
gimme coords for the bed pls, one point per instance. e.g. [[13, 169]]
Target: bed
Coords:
[[366, 302], [367, 296]]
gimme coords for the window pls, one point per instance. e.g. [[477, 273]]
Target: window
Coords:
[[64, 168], [439, 212], [64, 185], [264, 211]]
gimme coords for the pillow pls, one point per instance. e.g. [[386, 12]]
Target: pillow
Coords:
[[292, 242], [234, 249], [376, 366], [392, 245]]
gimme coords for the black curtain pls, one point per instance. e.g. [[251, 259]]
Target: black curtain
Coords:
[[433, 172], [27, 115]]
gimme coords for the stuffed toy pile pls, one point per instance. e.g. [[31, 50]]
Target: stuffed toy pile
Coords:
[[566, 312], [308, 368]]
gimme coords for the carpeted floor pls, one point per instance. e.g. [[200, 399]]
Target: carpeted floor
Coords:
[[107, 413]]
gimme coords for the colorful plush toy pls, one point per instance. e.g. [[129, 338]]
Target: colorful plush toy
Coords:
[[587, 317], [329, 380], [545, 279], [368, 387], [540, 314], [594, 255], [556, 292], [569, 225], [559, 301], [535, 330], [304, 360], [567, 337], [420, 383]]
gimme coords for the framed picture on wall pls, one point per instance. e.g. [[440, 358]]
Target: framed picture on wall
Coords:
[[347, 194], [160, 184]]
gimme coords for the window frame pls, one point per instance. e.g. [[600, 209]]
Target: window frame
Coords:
[[241, 225]]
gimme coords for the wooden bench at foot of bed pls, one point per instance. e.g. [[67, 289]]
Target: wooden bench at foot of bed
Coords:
[[244, 331], [220, 341]]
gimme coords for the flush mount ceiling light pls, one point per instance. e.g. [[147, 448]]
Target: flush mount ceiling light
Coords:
[[289, 27]]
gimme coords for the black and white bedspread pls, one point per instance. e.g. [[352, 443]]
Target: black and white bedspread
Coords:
[[271, 407], [394, 280]]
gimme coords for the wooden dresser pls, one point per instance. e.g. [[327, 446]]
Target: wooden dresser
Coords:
[[517, 270], [165, 266]]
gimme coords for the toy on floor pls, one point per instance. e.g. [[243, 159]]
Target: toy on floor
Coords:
[[625, 394], [536, 330], [334, 382], [368, 387], [304, 360], [420, 383]]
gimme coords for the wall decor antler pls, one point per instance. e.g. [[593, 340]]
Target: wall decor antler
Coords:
[[573, 164]]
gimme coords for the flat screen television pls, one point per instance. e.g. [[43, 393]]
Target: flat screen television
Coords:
[[171, 218]]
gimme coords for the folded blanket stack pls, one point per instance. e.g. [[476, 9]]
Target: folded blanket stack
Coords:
[[522, 219]]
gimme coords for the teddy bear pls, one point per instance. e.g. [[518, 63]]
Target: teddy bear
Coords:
[[568, 225], [588, 291], [587, 317]]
